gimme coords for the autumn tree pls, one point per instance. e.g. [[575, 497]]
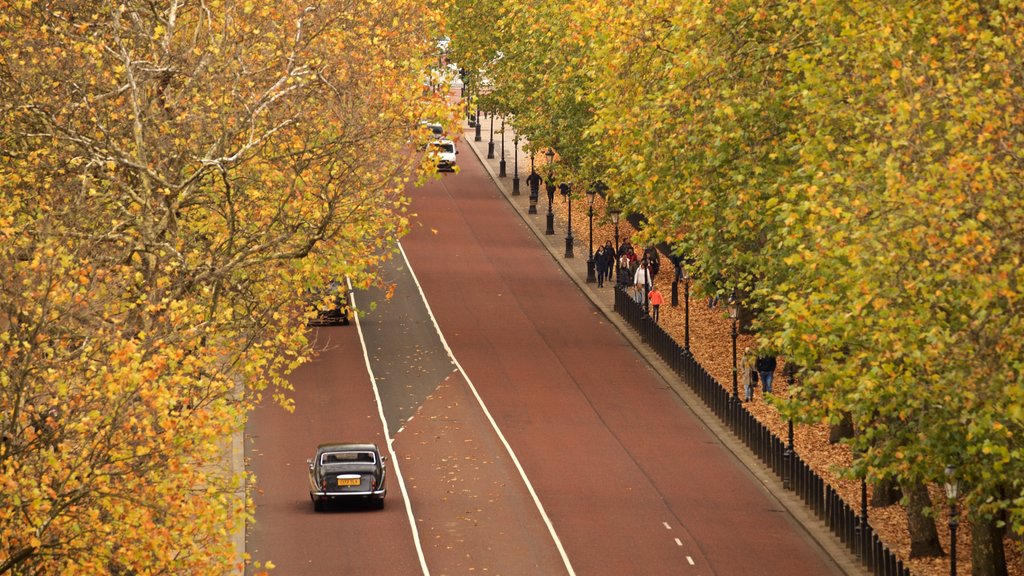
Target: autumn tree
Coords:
[[174, 179], [847, 170]]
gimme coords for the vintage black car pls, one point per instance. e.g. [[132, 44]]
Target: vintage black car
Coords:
[[330, 305], [343, 471]]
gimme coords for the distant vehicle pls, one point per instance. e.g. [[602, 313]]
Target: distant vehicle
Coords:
[[445, 152], [435, 131], [342, 471], [329, 306]]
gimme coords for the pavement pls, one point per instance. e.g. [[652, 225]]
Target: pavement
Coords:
[[603, 300]]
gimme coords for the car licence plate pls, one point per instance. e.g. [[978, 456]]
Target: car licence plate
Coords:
[[348, 481]]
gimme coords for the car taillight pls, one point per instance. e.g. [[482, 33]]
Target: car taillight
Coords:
[[373, 483], [323, 484]]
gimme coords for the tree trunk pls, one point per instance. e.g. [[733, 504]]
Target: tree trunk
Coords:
[[842, 430], [885, 493], [924, 538], [988, 558]]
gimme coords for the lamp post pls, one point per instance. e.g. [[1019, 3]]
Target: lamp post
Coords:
[[534, 181], [686, 310], [615, 213], [787, 464], [515, 165], [566, 190], [490, 143], [646, 266], [476, 137], [501, 163], [952, 486], [591, 194], [734, 316], [787, 456], [862, 522], [550, 229]]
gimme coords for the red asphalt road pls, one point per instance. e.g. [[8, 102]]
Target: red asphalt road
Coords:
[[334, 401], [623, 468], [632, 482]]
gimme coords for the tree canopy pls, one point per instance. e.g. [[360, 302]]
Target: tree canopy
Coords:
[[174, 180], [849, 170]]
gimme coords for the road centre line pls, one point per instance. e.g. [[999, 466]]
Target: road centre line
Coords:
[[394, 458], [666, 525], [490, 418], [690, 560], [679, 542]]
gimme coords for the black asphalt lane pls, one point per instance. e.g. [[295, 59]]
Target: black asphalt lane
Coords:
[[406, 354]]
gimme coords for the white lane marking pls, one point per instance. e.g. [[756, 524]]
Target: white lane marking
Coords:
[[690, 560], [494, 425], [679, 542], [666, 525], [391, 450]]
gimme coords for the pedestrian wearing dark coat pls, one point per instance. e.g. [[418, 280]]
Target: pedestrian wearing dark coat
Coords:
[[765, 366], [601, 265]]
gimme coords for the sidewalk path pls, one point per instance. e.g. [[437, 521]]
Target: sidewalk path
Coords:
[[603, 300]]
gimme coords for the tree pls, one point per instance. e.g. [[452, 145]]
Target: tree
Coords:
[[174, 178], [849, 169]]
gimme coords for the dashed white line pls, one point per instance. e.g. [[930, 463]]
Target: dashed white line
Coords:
[[690, 560], [494, 426], [679, 542], [391, 449], [666, 525]]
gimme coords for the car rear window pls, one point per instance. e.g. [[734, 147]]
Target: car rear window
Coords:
[[347, 457]]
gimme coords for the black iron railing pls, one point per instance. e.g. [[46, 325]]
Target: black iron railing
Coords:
[[818, 495]]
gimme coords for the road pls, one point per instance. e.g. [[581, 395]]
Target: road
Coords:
[[529, 436]]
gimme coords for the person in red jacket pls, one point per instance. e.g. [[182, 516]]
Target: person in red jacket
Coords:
[[655, 298]]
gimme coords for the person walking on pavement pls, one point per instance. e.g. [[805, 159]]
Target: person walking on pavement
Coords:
[[748, 375], [656, 300], [766, 370], [641, 282], [601, 265], [653, 260]]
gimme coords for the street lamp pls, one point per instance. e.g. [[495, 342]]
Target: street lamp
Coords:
[[591, 194], [615, 213], [501, 164], [566, 189], [862, 522], [787, 478], [952, 486], [550, 229], [734, 316], [534, 181], [686, 310], [646, 266], [515, 165], [490, 143], [476, 137]]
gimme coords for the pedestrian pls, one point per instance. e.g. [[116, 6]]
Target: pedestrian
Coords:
[[641, 282], [625, 247], [653, 260], [601, 265], [656, 300], [765, 366], [624, 273], [748, 374]]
